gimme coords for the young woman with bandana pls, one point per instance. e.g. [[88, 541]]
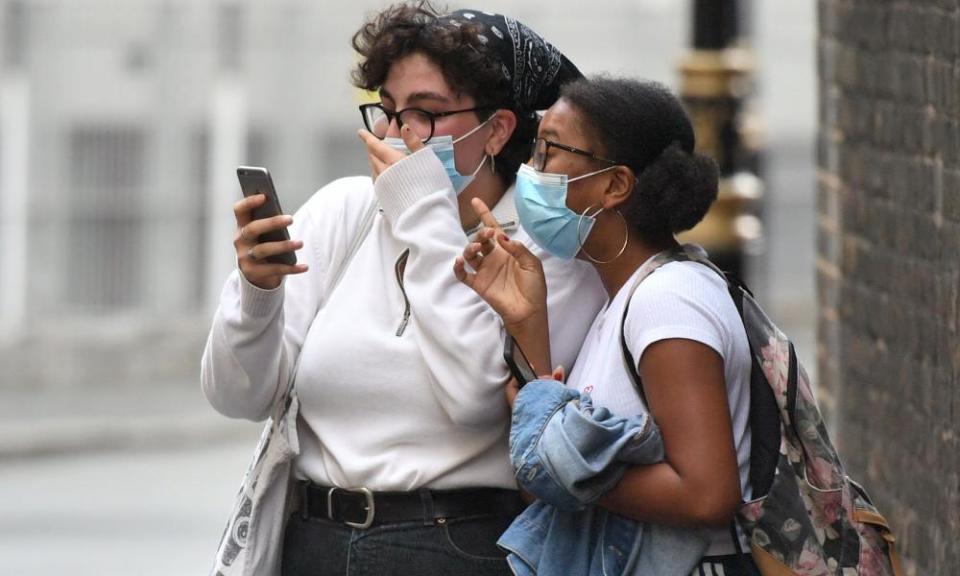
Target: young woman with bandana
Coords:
[[403, 465], [613, 178]]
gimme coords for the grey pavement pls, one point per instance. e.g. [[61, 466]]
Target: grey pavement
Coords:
[[116, 481], [69, 420], [144, 512]]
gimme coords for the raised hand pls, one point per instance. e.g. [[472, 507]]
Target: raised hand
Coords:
[[252, 254], [506, 274], [380, 156]]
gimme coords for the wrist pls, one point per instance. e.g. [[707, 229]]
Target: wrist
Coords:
[[533, 337], [530, 325]]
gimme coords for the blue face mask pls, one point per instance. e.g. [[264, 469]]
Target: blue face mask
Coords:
[[443, 147], [541, 200]]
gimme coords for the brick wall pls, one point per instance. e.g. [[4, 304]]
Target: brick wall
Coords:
[[889, 261]]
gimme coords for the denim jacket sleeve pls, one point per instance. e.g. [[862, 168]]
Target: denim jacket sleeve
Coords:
[[569, 453]]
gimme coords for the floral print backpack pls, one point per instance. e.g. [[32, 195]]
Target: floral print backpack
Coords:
[[807, 517]]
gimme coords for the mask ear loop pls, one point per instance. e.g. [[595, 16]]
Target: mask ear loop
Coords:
[[493, 160], [480, 165], [472, 130], [626, 234]]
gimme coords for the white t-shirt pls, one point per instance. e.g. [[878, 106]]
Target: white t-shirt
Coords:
[[680, 300]]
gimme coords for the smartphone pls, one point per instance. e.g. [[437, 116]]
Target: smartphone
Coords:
[[519, 366], [256, 180]]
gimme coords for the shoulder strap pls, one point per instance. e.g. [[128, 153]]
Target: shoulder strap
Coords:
[[735, 287], [648, 268], [628, 360], [366, 223]]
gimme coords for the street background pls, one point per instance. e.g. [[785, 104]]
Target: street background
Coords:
[[111, 462]]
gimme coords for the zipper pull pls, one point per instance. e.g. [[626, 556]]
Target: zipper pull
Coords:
[[404, 322], [398, 268]]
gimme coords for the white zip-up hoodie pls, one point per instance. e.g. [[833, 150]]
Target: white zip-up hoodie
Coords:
[[400, 371]]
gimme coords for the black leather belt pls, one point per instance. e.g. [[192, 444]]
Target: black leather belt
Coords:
[[361, 508]]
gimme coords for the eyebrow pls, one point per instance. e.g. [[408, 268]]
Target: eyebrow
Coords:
[[548, 132], [417, 96], [427, 95]]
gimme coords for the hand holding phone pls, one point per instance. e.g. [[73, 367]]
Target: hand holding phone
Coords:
[[518, 364], [265, 251]]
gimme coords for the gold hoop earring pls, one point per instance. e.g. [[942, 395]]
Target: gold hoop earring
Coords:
[[626, 234]]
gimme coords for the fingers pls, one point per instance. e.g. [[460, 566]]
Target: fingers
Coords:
[[484, 245], [460, 271], [270, 269], [243, 210], [485, 239], [263, 273], [473, 255], [412, 141], [367, 137], [249, 233], [511, 390], [559, 374], [381, 156], [518, 251], [268, 249], [376, 166], [481, 210]]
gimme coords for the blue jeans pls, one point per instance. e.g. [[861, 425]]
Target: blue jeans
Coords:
[[462, 546]]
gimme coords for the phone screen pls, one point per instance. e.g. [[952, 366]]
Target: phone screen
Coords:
[[519, 366], [256, 180]]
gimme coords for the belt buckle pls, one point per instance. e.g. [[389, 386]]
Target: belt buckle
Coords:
[[369, 508]]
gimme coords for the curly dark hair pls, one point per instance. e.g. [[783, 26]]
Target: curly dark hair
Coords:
[[407, 28], [642, 125]]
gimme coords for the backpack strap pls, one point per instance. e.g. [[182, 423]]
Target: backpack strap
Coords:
[[366, 223], [649, 267]]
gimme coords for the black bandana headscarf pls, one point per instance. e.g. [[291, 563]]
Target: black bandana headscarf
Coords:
[[535, 69]]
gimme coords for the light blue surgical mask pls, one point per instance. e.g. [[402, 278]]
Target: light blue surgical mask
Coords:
[[443, 147], [541, 200]]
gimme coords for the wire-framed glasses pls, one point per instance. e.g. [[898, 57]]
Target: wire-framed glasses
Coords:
[[541, 148]]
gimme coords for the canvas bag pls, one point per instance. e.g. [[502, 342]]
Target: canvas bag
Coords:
[[252, 541], [806, 516]]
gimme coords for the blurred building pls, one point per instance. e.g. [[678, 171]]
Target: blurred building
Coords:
[[122, 122], [120, 126]]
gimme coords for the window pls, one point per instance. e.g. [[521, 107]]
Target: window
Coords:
[[106, 182], [198, 163], [15, 34], [230, 36]]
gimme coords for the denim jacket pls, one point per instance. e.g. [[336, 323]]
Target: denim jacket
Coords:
[[568, 454]]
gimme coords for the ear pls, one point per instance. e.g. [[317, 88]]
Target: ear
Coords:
[[503, 122], [619, 187]]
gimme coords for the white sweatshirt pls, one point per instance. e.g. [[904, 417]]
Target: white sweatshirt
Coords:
[[400, 378]]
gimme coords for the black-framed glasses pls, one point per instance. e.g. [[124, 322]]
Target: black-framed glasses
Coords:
[[541, 147], [377, 119]]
